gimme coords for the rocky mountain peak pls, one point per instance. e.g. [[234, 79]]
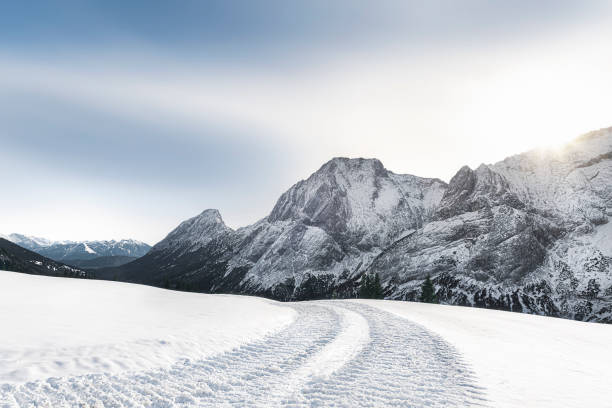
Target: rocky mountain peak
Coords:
[[196, 231], [347, 166], [327, 193], [471, 190], [359, 202], [210, 215], [463, 180]]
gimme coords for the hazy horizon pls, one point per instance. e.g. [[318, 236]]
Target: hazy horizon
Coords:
[[121, 121]]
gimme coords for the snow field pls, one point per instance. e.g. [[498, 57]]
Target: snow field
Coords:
[[522, 360], [315, 361], [54, 327], [105, 344], [72, 343]]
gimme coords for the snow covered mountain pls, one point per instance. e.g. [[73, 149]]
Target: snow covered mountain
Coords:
[[317, 240], [75, 250], [530, 234], [31, 243], [18, 259]]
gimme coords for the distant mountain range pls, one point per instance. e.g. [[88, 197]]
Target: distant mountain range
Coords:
[[83, 253], [531, 233], [18, 259]]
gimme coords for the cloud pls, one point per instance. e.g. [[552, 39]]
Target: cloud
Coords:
[[402, 108], [78, 138], [252, 32], [149, 115]]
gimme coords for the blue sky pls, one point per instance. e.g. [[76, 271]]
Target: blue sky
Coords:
[[120, 119]]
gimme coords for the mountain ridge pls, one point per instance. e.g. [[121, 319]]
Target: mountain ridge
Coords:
[[79, 250], [513, 235], [18, 259]]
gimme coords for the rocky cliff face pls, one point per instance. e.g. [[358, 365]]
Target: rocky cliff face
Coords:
[[530, 233], [317, 241]]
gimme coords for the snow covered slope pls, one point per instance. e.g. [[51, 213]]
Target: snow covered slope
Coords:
[[106, 344]]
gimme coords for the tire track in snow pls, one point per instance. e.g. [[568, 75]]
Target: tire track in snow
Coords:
[[354, 335], [403, 365], [245, 376], [336, 354]]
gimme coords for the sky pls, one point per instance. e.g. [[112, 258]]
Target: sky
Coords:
[[122, 119]]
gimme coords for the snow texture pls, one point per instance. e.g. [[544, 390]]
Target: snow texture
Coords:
[[103, 344], [326, 353], [65, 327], [522, 360]]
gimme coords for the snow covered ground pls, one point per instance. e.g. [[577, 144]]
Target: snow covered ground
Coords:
[[68, 343], [54, 327], [523, 360]]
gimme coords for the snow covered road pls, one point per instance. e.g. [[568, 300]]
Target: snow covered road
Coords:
[[333, 354]]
